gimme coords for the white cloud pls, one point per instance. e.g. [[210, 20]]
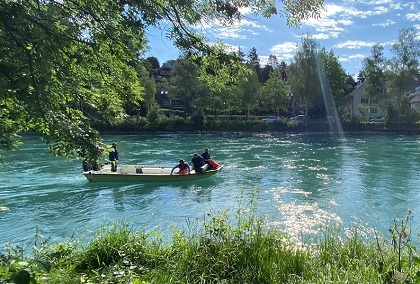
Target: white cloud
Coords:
[[396, 6], [413, 16], [284, 51], [327, 35], [377, 2], [385, 24], [229, 32], [356, 56], [352, 57], [239, 30], [413, 6], [333, 9], [286, 47], [321, 36], [380, 10], [354, 44]]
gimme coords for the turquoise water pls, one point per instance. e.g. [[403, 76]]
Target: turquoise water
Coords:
[[304, 182]]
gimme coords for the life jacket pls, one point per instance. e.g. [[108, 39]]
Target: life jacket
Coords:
[[112, 154], [183, 169], [213, 164]]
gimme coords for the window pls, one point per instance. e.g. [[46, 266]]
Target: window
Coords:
[[166, 103], [364, 101]]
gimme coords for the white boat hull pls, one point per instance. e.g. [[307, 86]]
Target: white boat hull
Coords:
[[144, 173]]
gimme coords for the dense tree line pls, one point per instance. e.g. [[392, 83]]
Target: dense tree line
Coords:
[[314, 80], [244, 87]]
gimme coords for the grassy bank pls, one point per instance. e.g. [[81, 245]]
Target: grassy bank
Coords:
[[219, 250]]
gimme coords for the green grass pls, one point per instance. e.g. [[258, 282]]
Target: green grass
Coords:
[[221, 249]]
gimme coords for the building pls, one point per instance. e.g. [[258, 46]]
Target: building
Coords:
[[415, 99], [162, 95], [356, 101]]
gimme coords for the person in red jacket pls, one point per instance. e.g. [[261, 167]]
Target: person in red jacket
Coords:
[[184, 168]]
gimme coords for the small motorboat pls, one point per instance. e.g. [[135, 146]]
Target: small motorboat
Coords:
[[145, 173]]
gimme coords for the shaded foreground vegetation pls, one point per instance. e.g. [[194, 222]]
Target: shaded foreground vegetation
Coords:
[[219, 250]]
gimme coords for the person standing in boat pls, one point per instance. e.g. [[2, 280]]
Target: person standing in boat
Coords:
[[113, 157], [184, 168], [198, 162]]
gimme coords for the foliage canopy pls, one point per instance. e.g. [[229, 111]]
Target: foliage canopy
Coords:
[[67, 66]]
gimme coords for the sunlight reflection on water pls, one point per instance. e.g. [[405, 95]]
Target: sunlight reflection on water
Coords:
[[301, 218]]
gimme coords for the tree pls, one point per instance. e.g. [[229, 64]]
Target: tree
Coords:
[[221, 72], [303, 75], [68, 66], [185, 84], [374, 67], [335, 74], [283, 68], [405, 67], [265, 73], [149, 85], [317, 78], [332, 83], [65, 67], [254, 60], [154, 62], [248, 90], [275, 92], [273, 61]]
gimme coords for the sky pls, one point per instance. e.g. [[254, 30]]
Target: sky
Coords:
[[349, 28]]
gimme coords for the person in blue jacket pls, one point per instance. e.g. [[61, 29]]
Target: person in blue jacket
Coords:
[[206, 155], [198, 162], [113, 157]]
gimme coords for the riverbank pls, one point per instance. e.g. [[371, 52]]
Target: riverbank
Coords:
[[243, 251], [171, 125]]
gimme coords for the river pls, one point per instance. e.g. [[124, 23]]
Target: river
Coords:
[[302, 182]]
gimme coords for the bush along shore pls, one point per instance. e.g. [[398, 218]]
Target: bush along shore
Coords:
[[197, 123], [223, 248]]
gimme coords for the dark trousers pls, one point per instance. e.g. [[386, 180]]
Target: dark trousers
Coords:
[[113, 166]]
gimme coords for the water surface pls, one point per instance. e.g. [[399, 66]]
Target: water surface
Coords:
[[303, 182]]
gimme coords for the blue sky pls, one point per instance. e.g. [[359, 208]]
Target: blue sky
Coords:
[[349, 28]]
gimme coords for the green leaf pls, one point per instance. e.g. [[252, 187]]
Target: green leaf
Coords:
[[21, 277]]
